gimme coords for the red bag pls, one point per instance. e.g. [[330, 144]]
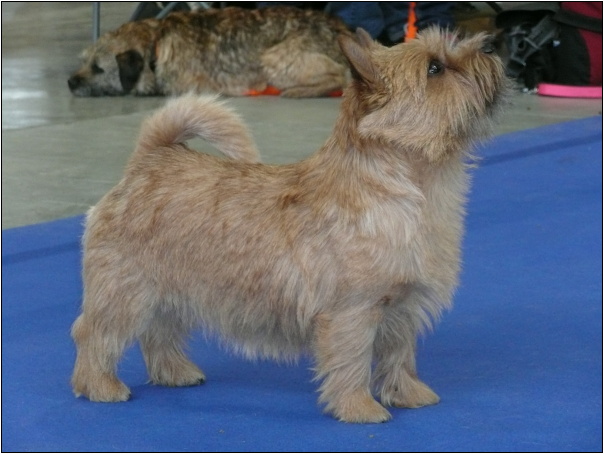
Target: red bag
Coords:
[[578, 57]]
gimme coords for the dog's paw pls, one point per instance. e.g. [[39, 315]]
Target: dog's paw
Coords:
[[361, 407], [417, 394], [105, 388], [178, 373]]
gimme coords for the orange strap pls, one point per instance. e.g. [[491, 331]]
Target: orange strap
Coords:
[[269, 91], [274, 91], [411, 23]]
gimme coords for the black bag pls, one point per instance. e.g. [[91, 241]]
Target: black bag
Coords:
[[557, 43]]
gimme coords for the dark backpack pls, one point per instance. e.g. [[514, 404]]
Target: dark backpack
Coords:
[[559, 43]]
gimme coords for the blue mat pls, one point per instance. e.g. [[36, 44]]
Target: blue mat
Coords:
[[517, 362]]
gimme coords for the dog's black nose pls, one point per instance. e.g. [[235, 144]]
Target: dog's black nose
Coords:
[[74, 82]]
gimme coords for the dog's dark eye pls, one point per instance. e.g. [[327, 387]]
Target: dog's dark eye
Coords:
[[96, 69], [435, 67], [487, 48]]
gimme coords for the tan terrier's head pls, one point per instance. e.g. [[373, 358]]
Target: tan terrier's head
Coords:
[[433, 96]]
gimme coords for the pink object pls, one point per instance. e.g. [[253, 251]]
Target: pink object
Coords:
[[569, 91]]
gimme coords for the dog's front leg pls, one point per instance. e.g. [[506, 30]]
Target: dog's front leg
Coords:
[[395, 348], [343, 352]]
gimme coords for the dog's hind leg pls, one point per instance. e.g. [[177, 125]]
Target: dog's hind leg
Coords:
[[100, 343], [302, 74], [115, 310], [343, 351], [162, 345]]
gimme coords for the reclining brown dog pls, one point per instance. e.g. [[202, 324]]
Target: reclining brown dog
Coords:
[[232, 51]]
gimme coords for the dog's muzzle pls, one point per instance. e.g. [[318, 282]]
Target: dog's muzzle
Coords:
[[75, 82]]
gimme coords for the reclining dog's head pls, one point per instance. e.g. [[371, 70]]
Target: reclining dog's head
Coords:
[[119, 63]]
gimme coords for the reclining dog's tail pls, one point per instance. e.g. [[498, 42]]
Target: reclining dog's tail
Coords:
[[198, 116]]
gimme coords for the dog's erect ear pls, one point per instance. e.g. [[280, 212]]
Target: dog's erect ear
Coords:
[[364, 38], [130, 64], [357, 50]]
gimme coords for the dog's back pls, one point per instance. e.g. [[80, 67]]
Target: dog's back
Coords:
[[239, 29], [265, 26]]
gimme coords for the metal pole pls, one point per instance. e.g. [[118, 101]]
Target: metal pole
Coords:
[[96, 20], [164, 12]]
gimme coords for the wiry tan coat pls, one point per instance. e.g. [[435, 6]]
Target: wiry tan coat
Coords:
[[231, 51], [346, 255]]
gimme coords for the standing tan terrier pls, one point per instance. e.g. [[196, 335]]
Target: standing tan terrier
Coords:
[[346, 255]]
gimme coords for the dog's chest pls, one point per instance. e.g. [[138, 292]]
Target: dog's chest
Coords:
[[417, 236]]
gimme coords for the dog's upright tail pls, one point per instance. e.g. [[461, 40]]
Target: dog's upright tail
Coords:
[[192, 116]]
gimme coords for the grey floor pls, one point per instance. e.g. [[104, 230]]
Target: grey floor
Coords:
[[60, 154]]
